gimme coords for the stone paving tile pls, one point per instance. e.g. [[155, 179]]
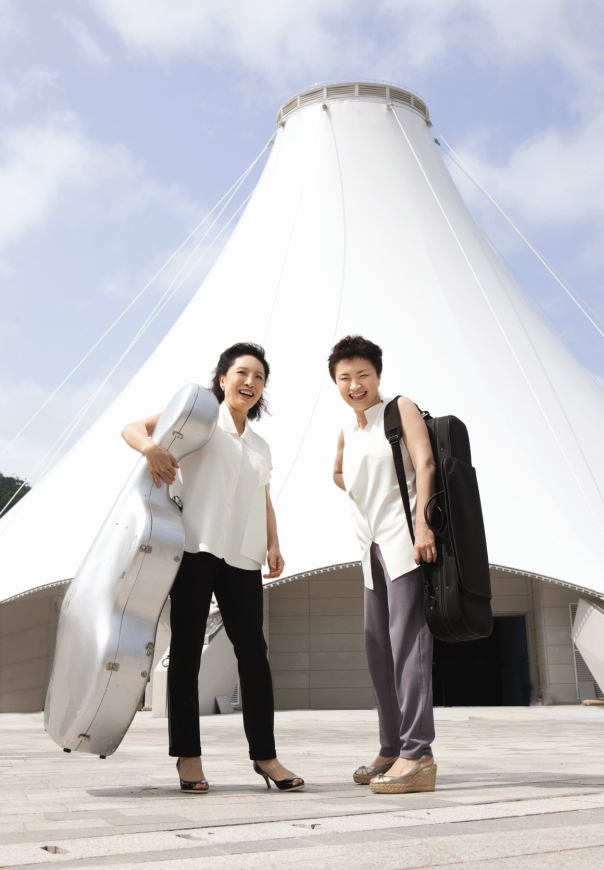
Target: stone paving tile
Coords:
[[9, 839], [264, 846], [573, 859], [15, 819], [11, 827], [538, 822], [66, 834], [436, 817], [503, 809], [258, 833], [526, 771], [150, 859], [383, 856], [522, 792], [154, 827], [123, 819], [499, 844], [83, 814], [459, 829], [74, 825]]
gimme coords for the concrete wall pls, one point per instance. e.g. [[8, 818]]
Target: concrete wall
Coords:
[[316, 638], [314, 630], [28, 630], [552, 644], [316, 647]]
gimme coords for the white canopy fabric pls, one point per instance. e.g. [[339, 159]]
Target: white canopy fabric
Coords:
[[357, 227]]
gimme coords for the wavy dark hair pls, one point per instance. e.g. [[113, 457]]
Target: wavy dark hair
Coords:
[[351, 347], [226, 360]]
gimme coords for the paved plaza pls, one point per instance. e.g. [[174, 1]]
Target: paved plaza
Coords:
[[517, 788]]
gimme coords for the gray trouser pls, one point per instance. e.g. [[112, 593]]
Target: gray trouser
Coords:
[[398, 643]]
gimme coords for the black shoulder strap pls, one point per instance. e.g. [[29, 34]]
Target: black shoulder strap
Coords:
[[394, 432]]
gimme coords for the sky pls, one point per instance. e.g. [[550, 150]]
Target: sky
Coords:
[[123, 123]]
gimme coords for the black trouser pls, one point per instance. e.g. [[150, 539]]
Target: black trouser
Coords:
[[239, 597]]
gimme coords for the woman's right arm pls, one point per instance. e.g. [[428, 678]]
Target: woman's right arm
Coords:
[[338, 476], [161, 463]]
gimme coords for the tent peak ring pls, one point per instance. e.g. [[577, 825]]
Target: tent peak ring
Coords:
[[373, 91]]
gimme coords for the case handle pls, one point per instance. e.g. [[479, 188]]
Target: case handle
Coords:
[[441, 529]]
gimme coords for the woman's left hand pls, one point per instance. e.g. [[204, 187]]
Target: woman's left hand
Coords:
[[425, 545], [275, 564]]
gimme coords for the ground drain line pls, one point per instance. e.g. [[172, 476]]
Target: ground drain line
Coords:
[[296, 819], [539, 812]]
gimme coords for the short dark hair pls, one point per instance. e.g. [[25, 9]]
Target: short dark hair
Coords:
[[226, 360], [352, 346]]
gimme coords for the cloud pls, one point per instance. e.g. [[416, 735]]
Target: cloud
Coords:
[[555, 176], [259, 33], [37, 163], [417, 35], [40, 164], [6, 17], [18, 401], [33, 81], [87, 45]]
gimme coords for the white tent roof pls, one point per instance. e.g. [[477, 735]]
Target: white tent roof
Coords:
[[356, 226]]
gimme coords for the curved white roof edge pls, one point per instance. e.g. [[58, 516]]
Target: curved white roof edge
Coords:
[[505, 568], [357, 227], [342, 566], [35, 589], [583, 589]]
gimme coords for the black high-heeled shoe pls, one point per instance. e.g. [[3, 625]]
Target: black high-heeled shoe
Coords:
[[282, 784], [189, 787]]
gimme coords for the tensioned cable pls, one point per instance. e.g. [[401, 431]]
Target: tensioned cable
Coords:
[[338, 312], [512, 271], [235, 187], [529, 292], [75, 421], [63, 437], [562, 281], [507, 340], [571, 292]]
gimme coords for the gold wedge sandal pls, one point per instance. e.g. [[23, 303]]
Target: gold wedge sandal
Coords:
[[363, 775], [418, 779]]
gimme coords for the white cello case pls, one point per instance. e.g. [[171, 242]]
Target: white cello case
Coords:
[[108, 621]]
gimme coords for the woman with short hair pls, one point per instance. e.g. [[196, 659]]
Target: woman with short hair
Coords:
[[397, 639], [230, 532]]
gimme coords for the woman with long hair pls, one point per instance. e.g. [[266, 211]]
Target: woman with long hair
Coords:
[[230, 532], [397, 639]]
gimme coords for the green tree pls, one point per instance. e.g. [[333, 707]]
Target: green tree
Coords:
[[8, 487]]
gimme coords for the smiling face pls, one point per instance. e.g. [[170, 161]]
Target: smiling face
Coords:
[[358, 383], [243, 384]]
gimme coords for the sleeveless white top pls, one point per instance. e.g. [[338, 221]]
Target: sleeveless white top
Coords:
[[223, 488], [375, 498]]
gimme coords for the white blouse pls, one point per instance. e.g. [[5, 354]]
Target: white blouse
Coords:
[[223, 488], [375, 498]]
